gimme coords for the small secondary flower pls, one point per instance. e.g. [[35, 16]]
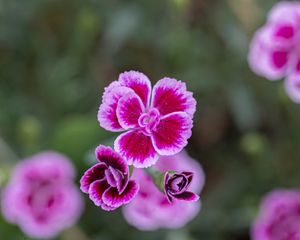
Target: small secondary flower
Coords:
[[107, 183]]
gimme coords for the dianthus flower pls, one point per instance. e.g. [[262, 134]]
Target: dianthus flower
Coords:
[[275, 49], [41, 197], [154, 125], [279, 217], [107, 182]]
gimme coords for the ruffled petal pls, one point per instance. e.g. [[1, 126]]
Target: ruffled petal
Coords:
[[96, 191], [171, 134], [107, 115], [112, 198], [106, 95], [187, 196], [92, 174], [111, 158], [139, 83], [130, 108], [136, 148], [107, 208], [170, 95]]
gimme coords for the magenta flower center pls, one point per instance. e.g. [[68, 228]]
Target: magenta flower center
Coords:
[[148, 121]]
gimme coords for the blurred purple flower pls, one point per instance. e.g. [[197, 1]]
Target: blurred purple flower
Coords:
[[41, 197], [275, 50], [151, 210], [176, 186], [161, 126], [107, 182], [279, 217]]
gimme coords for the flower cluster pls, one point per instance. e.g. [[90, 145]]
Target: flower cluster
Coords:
[[156, 124], [275, 50], [41, 197], [279, 216]]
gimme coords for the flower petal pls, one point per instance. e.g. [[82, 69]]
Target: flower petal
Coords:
[[287, 12], [106, 95], [129, 109], [170, 95], [139, 83], [187, 196], [120, 179], [96, 191], [111, 158], [189, 176], [107, 208], [107, 115], [136, 148], [92, 174], [171, 134], [112, 198]]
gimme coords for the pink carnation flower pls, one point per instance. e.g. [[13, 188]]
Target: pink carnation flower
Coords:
[[279, 217], [151, 210], [275, 49], [41, 197], [160, 125], [107, 182]]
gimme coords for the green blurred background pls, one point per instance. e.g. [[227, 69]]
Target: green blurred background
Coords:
[[56, 56]]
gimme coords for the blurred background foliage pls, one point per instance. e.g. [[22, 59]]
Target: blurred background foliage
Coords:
[[56, 56]]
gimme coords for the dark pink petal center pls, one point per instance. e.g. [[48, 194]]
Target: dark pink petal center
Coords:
[[285, 32], [280, 58]]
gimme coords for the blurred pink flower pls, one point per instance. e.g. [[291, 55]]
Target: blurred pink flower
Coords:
[[151, 210], [41, 197], [279, 217], [107, 182], [161, 125], [275, 49]]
